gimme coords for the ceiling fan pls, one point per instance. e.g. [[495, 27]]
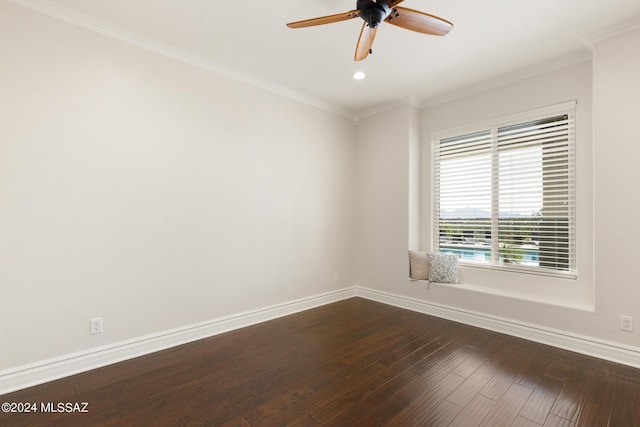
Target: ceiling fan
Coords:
[[373, 12]]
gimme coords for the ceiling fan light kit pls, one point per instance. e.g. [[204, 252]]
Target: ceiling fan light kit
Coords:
[[373, 13]]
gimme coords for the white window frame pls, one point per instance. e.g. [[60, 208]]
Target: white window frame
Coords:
[[566, 108]]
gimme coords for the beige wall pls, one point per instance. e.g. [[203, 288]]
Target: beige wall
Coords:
[[616, 112], [606, 288], [154, 194]]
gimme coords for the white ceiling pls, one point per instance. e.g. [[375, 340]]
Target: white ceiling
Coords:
[[490, 39]]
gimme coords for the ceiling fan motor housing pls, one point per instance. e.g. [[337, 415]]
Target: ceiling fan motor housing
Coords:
[[373, 12]]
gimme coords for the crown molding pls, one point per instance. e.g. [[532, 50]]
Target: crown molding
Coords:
[[410, 101], [486, 85], [621, 28], [377, 110], [90, 23], [506, 79]]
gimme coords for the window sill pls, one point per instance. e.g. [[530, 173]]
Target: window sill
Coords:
[[522, 270], [522, 296]]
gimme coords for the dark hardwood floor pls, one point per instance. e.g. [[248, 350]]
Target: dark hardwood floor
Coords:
[[351, 363]]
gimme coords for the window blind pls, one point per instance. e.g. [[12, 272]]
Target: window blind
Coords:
[[505, 195]]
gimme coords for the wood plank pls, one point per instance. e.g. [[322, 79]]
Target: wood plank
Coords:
[[282, 408], [542, 399], [472, 386], [474, 413], [506, 410], [569, 402], [599, 394], [625, 409], [556, 421], [441, 415], [497, 386], [432, 395], [523, 422]]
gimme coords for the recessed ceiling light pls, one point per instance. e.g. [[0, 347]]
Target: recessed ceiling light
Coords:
[[359, 75]]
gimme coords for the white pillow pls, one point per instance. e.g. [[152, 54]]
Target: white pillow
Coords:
[[418, 265], [443, 268]]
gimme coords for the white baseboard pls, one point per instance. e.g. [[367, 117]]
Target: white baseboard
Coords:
[[64, 366], [607, 350], [70, 364]]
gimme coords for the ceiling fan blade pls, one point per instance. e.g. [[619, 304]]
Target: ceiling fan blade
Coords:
[[394, 3], [419, 21], [365, 41], [324, 19]]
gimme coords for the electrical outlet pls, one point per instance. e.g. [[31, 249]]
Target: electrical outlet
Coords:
[[336, 278], [626, 323], [96, 326]]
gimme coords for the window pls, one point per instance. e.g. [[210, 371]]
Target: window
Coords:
[[504, 192]]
